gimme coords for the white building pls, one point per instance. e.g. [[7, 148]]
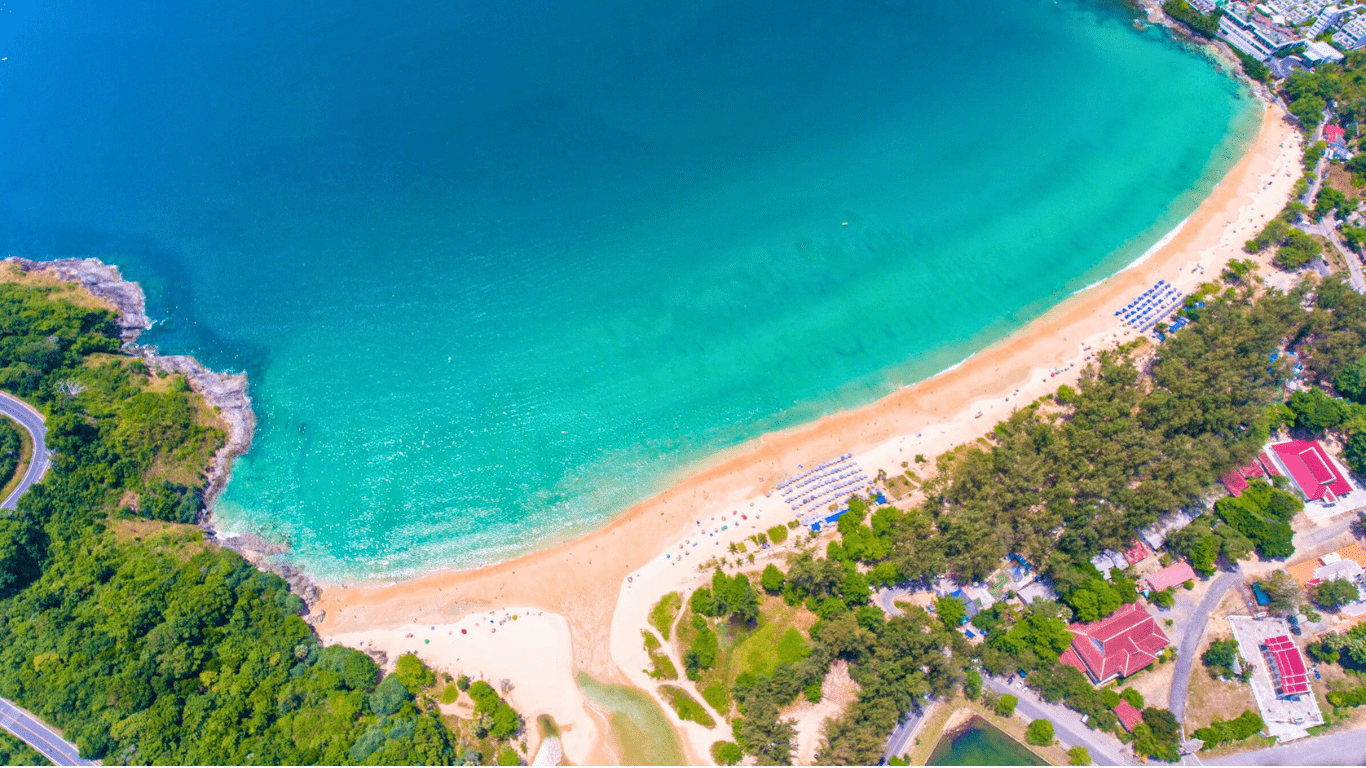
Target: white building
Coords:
[[1305, 11], [1317, 53], [1255, 39], [1328, 18], [1352, 35]]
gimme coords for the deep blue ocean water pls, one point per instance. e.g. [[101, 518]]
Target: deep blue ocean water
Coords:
[[499, 269]]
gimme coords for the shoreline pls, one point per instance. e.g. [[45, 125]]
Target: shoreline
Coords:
[[604, 583]]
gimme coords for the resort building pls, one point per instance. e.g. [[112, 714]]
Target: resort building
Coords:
[[1314, 473], [1334, 134], [1289, 675], [1156, 534], [1171, 576], [1326, 19], [1115, 647], [1305, 11], [1316, 52], [1256, 39], [1352, 35]]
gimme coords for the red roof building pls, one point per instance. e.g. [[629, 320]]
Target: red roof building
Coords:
[[1311, 469], [1137, 552], [1128, 716], [1115, 647], [1236, 480], [1286, 665], [1333, 133], [1176, 573]]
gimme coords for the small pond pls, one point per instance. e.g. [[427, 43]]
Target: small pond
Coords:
[[981, 743]]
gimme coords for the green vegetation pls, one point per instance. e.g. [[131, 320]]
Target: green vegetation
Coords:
[[1158, 736], [1244, 726], [450, 694], [1253, 68], [1078, 756], [665, 611], [1295, 248], [732, 597], [1054, 485], [1353, 697], [1197, 22], [124, 628], [777, 534], [1333, 594], [1060, 682], [1134, 698], [1040, 733], [16, 752], [772, 579], [1283, 593], [414, 675], [1350, 647], [1218, 658], [1005, 706], [1263, 514], [686, 706], [951, 611], [11, 447], [493, 716], [972, 684], [726, 753], [662, 667]]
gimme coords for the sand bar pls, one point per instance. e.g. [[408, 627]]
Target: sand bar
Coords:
[[621, 569]]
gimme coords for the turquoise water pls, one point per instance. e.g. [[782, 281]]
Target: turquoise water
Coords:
[[498, 270], [641, 734], [981, 743]]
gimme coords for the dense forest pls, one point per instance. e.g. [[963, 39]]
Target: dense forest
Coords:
[[120, 625]]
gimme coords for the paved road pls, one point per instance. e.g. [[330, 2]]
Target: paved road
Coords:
[[1067, 725], [1345, 748], [32, 421], [46, 741], [1185, 652], [26, 727], [902, 733]]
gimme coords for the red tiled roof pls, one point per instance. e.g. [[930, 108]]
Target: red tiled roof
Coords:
[[1312, 470], [1136, 551], [1286, 666], [1128, 716], [1236, 480], [1120, 645], [1333, 133], [1176, 573], [1268, 465]]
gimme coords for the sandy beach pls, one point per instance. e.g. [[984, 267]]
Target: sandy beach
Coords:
[[584, 602]]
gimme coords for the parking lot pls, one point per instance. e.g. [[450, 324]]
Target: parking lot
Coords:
[[1286, 720]]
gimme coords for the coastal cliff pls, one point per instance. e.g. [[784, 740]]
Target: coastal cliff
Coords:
[[225, 392]]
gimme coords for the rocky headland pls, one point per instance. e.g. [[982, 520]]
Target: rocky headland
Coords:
[[226, 393]]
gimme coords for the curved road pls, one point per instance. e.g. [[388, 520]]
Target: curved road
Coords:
[[27, 728], [1185, 652], [32, 421]]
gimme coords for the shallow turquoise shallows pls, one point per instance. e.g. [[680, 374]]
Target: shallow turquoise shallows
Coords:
[[500, 268]]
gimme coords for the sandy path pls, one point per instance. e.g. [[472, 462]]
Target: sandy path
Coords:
[[586, 581]]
